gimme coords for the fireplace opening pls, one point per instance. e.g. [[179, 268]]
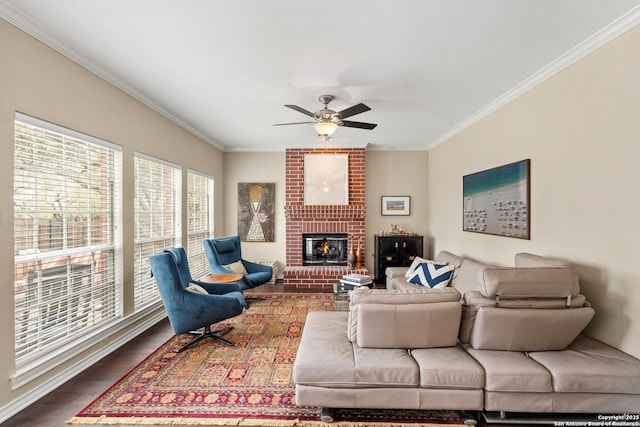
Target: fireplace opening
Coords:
[[324, 249]]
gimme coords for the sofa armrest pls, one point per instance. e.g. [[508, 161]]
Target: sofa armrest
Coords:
[[392, 272]]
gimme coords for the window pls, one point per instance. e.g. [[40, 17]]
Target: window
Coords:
[[67, 221], [158, 187], [200, 221]]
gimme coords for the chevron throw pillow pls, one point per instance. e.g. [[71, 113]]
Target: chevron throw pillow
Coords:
[[433, 275], [416, 262]]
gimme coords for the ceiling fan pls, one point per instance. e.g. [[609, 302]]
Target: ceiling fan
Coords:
[[326, 121]]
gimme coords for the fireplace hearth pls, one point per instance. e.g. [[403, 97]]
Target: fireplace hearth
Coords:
[[324, 249]]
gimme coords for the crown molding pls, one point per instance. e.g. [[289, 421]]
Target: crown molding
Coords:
[[28, 25], [610, 32], [310, 146], [615, 29]]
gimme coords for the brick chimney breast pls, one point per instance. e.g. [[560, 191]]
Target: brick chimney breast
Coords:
[[301, 218]]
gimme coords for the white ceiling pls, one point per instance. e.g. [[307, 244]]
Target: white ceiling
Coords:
[[225, 69]]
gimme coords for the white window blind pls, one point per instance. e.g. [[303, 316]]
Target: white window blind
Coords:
[[200, 221], [67, 220], [158, 186]]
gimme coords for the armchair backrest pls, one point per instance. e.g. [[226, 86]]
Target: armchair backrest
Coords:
[[167, 277], [224, 250], [182, 263]]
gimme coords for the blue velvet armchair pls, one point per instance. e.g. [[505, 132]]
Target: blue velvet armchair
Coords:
[[187, 310], [224, 252], [181, 260]]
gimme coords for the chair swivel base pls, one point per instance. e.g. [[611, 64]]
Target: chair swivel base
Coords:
[[207, 333]]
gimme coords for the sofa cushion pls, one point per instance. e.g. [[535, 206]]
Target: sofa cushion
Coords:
[[326, 358], [511, 371], [527, 329], [449, 258], [400, 283], [590, 366], [384, 367], [431, 274], [408, 325], [448, 367], [468, 276], [473, 301], [406, 316]]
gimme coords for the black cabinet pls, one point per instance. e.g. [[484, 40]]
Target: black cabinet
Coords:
[[395, 251]]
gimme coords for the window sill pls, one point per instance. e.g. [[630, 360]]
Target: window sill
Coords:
[[136, 324]]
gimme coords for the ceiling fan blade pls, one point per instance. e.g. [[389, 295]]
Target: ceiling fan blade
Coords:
[[296, 123], [352, 111], [359, 125], [300, 110]]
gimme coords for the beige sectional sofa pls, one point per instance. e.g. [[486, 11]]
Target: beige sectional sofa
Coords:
[[495, 340], [359, 359]]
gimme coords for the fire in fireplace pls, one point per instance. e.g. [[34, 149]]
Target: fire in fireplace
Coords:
[[324, 249]]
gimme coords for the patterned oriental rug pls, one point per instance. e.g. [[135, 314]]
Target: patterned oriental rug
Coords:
[[248, 384]]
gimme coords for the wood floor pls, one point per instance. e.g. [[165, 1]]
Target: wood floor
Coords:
[[67, 400]]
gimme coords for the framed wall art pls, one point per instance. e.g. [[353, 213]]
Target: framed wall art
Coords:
[[396, 205], [326, 179], [497, 201], [256, 212]]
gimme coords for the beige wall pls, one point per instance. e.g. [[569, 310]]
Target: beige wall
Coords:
[[396, 173], [37, 81], [258, 168], [581, 130], [383, 169]]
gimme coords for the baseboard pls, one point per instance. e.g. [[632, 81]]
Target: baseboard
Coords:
[[28, 398]]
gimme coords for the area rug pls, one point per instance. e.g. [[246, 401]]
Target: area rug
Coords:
[[248, 384]]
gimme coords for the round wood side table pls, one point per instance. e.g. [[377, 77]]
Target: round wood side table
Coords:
[[221, 278]]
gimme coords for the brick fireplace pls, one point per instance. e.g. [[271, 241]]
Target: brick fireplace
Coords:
[[301, 218]]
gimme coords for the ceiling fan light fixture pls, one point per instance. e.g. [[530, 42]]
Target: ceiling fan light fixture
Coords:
[[325, 128], [326, 121]]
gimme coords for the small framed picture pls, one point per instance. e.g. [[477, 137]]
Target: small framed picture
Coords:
[[396, 205]]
